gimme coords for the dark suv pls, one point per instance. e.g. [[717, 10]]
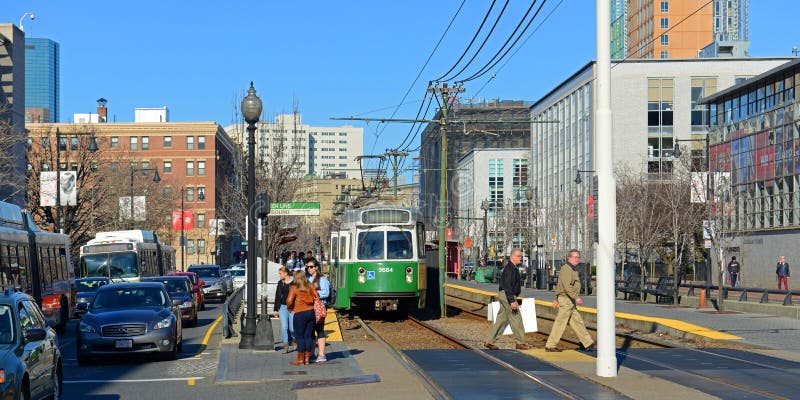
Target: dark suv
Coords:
[[213, 281], [29, 356]]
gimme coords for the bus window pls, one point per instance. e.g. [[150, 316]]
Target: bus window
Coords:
[[123, 265], [399, 245], [370, 245]]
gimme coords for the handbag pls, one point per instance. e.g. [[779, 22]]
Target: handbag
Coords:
[[320, 311]]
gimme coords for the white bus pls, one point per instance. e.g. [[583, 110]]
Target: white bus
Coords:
[[126, 256]]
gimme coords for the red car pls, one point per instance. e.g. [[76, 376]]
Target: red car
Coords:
[[196, 285]]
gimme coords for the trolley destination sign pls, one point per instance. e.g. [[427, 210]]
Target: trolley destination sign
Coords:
[[295, 208]]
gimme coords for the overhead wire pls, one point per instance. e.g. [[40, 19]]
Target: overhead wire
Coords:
[[489, 65], [485, 40], [471, 42]]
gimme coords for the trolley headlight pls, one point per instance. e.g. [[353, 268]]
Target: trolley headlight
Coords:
[[409, 270], [362, 279], [361, 270], [409, 277]]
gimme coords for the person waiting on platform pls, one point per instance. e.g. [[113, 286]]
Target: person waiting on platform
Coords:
[[733, 272], [323, 288], [300, 301], [782, 270], [281, 311]]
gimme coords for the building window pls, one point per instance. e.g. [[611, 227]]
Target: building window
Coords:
[[167, 166], [189, 191], [46, 142], [664, 23], [664, 6], [664, 54], [168, 193], [145, 143], [145, 164], [190, 143], [201, 220], [659, 101], [190, 249], [73, 144], [134, 143], [114, 142], [167, 141], [520, 180], [201, 143], [665, 40], [62, 144], [201, 168], [73, 166], [201, 246], [495, 185], [190, 168], [701, 87]]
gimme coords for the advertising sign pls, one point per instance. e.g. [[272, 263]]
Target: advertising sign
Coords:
[[69, 189], [139, 208], [295, 208], [188, 220]]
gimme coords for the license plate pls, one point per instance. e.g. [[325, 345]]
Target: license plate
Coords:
[[124, 344]]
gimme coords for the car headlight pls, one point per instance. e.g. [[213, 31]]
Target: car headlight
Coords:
[[164, 323], [86, 328], [186, 304]]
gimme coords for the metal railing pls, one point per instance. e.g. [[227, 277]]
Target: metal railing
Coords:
[[232, 305], [744, 291]]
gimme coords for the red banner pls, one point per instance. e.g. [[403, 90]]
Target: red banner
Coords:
[[188, 220]]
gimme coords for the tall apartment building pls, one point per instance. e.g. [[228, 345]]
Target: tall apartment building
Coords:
[[653, 102], [193, 160], [314, 150], [42, 80], [12, 112], [649, 20], [463, 137]]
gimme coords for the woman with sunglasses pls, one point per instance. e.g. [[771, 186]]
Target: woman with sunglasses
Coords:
[[323, 288]]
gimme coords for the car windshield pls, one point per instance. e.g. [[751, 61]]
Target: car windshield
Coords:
[[122, 265], [6, 325], [90, 285], [206, 272], [237, 272], [130, 297], [176, 285]]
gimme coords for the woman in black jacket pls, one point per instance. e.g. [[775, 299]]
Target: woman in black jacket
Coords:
[[281, 291]]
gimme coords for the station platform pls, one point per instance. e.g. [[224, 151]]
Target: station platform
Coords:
[[765, 367]]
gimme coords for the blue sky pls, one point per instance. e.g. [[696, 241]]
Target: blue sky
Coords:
[[335, 58]]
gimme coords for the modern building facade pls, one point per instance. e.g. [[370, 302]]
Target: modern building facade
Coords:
[[649, 21], [498, 179], [653, 102], [12, 115], [755, 151], [499, 126], [313, 150], [193, 160], [42, 80]]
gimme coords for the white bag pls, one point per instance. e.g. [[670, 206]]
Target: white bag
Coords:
[[528, 310]]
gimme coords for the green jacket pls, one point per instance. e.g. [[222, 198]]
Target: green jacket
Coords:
[[569, 282]]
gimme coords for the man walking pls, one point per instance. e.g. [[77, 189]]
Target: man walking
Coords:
[[567, 301], [510, 288], [782, 270], [733, 272]]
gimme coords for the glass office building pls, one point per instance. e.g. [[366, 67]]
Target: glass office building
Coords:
[[42, 83]]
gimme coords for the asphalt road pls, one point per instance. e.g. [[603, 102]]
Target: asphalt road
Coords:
[[191, 376]]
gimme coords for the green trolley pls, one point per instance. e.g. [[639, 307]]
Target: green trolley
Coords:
[[378, 257]]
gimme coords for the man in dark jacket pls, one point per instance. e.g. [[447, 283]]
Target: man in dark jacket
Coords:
[[782, 270], [510, 288], [733, 271]]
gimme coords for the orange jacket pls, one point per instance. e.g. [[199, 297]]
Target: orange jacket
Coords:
[[299, 301]]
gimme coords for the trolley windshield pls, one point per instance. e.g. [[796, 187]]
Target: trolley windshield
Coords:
[[380, 245]]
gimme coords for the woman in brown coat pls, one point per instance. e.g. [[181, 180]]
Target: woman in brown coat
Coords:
[[301, 301]]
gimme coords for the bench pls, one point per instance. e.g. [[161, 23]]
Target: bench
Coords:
[[631, 286], [663, 289]]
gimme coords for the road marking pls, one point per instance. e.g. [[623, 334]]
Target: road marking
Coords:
[[190, 382], [208, 336], [192, 379]]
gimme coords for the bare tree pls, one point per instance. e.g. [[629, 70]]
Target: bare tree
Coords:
[[10, 145]]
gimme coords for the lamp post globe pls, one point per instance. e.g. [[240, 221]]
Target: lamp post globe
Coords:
[[251, 106]]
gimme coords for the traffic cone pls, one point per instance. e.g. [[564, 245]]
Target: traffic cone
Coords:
[[702, 303]]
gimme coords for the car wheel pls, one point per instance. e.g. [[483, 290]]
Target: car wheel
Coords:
[[24, 390], [180, 345], [58, 381]]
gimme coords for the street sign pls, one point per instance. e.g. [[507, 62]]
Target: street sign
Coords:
[[553, 242], [707, 243], [295, 208]]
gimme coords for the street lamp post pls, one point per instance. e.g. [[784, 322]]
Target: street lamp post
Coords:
[[251, 111], [93, 147], [485, 208], [156, 179]]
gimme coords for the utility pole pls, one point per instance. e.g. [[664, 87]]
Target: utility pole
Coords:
[[395, 156], [445, 92]]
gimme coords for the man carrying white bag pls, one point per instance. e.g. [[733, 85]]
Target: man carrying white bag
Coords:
[[509, 311]]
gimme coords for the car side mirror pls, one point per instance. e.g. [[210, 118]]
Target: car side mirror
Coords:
[[35, 334], [177, 302]]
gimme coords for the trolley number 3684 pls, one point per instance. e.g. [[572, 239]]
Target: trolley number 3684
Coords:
[[384, 269]]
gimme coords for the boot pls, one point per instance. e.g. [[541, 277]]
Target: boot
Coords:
[[299, 359], [306, 357]]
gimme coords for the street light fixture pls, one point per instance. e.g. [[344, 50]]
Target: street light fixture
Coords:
[[578, 179], [27, 14], [251, 111], [156, 179], [485, 208], [93, 147]]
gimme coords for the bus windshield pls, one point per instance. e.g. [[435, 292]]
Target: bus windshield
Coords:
[[122, 265]]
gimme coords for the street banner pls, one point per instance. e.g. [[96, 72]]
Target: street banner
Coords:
[[295, 208], [47, 188], [139, 208], [188, 220], [216, 227]]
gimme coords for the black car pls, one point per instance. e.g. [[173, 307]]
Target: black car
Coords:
[[130, 318], [86, 288], [180, 288], [30, 361]]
